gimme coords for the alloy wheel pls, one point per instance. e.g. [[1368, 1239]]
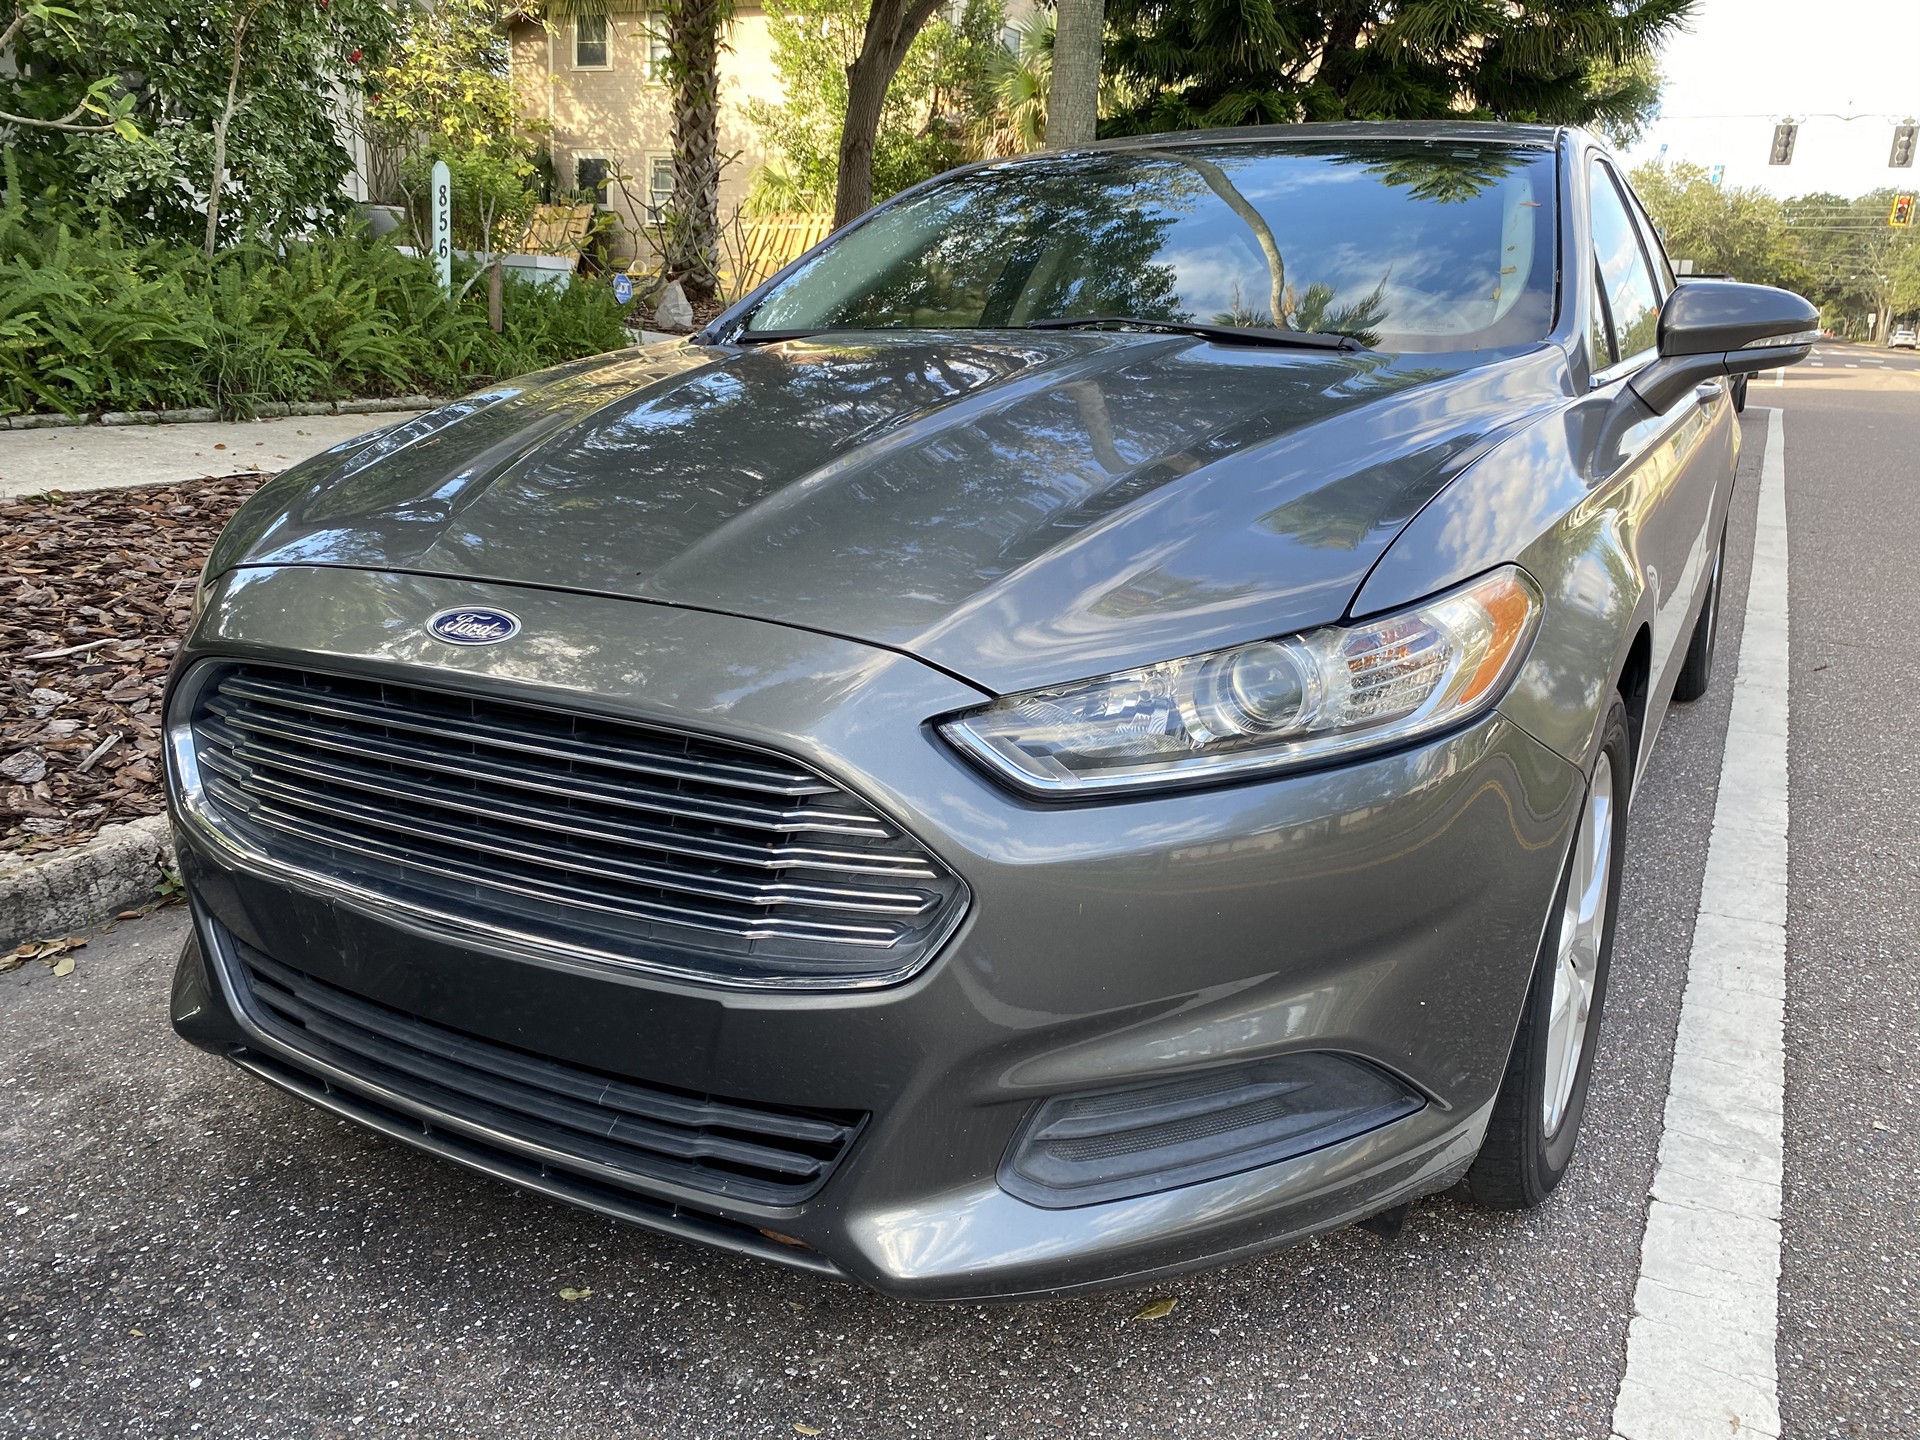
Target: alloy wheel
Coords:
[[1583, 921]]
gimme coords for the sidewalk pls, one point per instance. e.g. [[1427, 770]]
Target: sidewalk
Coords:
[[103, 457]]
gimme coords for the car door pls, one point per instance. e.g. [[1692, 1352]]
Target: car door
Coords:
[[1677, 464]]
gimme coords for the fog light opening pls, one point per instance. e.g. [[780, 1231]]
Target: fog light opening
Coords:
[[1117, 1144]]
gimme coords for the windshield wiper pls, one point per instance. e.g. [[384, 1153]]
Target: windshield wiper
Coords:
[[1226, 334]]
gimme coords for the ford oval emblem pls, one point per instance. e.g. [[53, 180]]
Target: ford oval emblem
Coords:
[[473, 626]]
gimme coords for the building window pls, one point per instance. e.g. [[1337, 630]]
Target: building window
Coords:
[[590, 177], [656, 33], [659, 187], [590, 43]]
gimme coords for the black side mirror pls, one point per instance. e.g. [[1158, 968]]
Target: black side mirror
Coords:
[[1710, 328]]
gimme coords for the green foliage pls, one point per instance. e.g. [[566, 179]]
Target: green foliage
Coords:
[[445, 94], [104, 105], [1840, 253], [1021, 76], [171, 64], [1724, 231], [930, 121], [89, 322], [1191, 64]]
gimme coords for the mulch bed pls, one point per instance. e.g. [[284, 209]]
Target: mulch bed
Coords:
[[95, 590]]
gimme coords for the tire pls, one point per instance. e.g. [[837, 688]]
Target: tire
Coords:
[[1531, 1136], [1739, 393], [1696, 671]]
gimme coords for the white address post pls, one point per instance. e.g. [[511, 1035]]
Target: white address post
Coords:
[[443, 226]]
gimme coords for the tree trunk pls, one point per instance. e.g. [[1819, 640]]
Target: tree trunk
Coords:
[[1073, 98], [1218, 182], [218, 180], [693, 66], [496, 295], [891, 28]]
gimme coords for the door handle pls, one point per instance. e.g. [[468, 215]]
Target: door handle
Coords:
[[1708, 391]]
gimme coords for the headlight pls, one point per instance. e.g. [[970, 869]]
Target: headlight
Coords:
[[1272, 705]]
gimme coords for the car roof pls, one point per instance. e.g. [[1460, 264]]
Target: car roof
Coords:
[[1482, 132]]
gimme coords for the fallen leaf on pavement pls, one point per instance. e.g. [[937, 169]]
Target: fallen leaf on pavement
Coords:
[[800, 1429], [1156, 1309], [50, 951], [567, 1292]]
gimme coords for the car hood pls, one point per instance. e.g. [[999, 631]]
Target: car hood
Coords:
[[1015, 509]]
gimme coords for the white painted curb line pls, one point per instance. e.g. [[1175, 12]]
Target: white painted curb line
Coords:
[[1700, 1349]]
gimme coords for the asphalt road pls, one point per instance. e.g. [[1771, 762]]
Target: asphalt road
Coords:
[[183, 1249]]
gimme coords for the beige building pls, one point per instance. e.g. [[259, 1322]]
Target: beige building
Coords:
[[597, 84]]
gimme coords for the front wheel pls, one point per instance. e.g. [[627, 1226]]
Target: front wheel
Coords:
[[1537, 1113]]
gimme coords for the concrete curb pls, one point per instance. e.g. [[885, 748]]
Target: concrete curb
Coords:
[[278, 410], [65, 890]]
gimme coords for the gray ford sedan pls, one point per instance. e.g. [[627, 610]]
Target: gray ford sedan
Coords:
[[1084, 729]]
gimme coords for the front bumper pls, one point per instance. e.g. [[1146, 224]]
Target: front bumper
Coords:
[[1389, 910]]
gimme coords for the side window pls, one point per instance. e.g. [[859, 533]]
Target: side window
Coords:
[[659, 187], [590, 46], [1632, 301], [590, 176], [1656, 243]]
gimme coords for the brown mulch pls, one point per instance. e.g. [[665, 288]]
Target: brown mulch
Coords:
[[94, 593]]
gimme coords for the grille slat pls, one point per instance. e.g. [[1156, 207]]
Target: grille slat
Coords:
[[640, 835], [614, 1130], [683, 853], [578, 893], [505, 844], [640, 760], [275, 740]]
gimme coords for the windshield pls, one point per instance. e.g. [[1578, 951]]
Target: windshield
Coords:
[[1403, 245]]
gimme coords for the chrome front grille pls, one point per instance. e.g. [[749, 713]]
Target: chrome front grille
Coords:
[[601, 1127], [646, 846]]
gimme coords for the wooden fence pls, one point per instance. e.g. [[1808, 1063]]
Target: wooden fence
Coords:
[[754, 247]]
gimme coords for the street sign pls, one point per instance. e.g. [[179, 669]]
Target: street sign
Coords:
[[1716, 175], [1902, 212], [622, 288], [442, 208]]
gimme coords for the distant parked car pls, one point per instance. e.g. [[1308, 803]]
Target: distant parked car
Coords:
[[1904, 339]]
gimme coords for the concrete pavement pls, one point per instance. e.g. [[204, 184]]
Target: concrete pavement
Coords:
[[101, 457]]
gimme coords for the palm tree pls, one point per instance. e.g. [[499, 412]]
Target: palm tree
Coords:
[[692, 66], [1074, 94], [694, 34], [1021, 75]]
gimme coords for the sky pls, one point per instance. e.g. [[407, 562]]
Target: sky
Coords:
[[1742, 65]]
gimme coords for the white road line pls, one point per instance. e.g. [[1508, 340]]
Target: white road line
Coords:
[[1700, 1349]]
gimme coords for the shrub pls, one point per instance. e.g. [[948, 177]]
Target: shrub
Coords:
[[90, 322]]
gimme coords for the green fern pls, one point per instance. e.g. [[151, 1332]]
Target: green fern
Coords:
[[90, 323]]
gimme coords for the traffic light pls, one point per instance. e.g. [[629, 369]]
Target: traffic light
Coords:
[[1784, 135], [1901, 156], [1902, 212]]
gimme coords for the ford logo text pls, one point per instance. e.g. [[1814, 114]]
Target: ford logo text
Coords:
[[473, 627]]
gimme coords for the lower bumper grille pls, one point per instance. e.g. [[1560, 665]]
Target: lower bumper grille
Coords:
[[610, 1131]]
